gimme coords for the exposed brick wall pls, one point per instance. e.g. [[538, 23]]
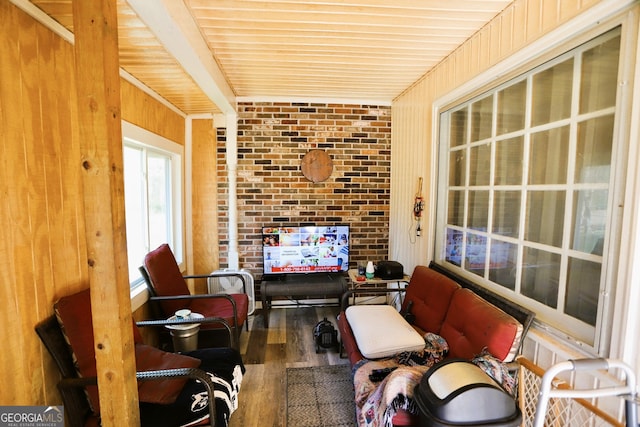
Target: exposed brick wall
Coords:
[[272, 140]]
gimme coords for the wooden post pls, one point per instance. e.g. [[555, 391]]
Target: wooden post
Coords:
[[98, 87]]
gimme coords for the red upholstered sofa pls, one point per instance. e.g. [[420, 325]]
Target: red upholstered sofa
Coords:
[[469, 323]]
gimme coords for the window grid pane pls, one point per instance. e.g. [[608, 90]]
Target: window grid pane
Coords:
[[502, 263], [595, 140], [478, 210], [458, 173], [598, 79], [545, 217], [511, 108], [583, 286], [552, 93], [458, 130], [454, 246], [481, 119], [509, 161], [506, 213], [549, 155], [475, 253], [480, 165], [540, 226], [456, 208], [541, 276]]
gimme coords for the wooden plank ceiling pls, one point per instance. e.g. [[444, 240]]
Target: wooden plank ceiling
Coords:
[[358, 50]]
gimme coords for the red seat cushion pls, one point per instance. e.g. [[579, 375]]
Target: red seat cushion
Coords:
[[473, 324], [221, 307], [74, 315], [166, 278], [431, 293], [149, 358]]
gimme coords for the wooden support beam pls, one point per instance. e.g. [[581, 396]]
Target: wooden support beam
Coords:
[[99, 119]]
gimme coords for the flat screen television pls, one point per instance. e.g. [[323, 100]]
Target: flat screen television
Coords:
[[305, 249]]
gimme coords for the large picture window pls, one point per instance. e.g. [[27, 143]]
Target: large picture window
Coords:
[[153, 196], [527, 178]]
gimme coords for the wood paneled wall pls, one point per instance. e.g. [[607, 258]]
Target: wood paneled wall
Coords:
[[206, 251], [42, 247], [409, 155], [144, 111]]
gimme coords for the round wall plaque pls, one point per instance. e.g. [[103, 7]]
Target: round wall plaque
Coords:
[[316, 166]]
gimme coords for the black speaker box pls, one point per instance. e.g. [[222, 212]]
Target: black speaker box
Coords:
[[389, 270]]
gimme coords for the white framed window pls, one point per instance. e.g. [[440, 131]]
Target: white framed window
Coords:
[[527, 177], [153, 196]]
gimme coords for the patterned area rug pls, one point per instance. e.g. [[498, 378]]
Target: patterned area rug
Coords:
[[321, 396]]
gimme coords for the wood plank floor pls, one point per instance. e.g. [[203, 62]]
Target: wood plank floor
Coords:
[[288, 342]]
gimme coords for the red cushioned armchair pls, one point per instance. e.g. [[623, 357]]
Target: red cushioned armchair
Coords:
[[165, 380], [169, 293]]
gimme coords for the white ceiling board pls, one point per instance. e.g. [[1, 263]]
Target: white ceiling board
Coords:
[[201, 55]]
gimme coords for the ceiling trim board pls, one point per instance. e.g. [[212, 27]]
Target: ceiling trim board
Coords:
[[36, 13], [146, 89], [172, 24], [315, 100]]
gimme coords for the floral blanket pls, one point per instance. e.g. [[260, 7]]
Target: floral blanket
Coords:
[[377, 402]]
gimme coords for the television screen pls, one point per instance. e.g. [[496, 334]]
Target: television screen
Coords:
[[307, 249]]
